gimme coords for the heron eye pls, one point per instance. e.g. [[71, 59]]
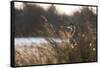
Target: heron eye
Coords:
[[68, 29]]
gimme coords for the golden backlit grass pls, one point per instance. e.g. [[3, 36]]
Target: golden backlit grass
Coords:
[[44, 54]]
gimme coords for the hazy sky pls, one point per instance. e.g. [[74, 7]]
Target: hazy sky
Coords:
[[66, 9]]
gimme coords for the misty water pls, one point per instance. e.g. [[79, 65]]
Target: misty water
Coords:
[[37, 40]]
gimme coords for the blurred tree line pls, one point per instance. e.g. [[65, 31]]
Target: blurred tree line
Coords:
[[34, 21]]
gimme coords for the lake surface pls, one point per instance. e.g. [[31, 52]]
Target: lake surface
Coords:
[[36, 40]]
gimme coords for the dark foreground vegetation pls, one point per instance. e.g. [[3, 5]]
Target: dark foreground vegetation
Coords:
[[34, 21]]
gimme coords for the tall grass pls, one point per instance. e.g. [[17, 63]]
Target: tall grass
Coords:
[[51, 53]]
